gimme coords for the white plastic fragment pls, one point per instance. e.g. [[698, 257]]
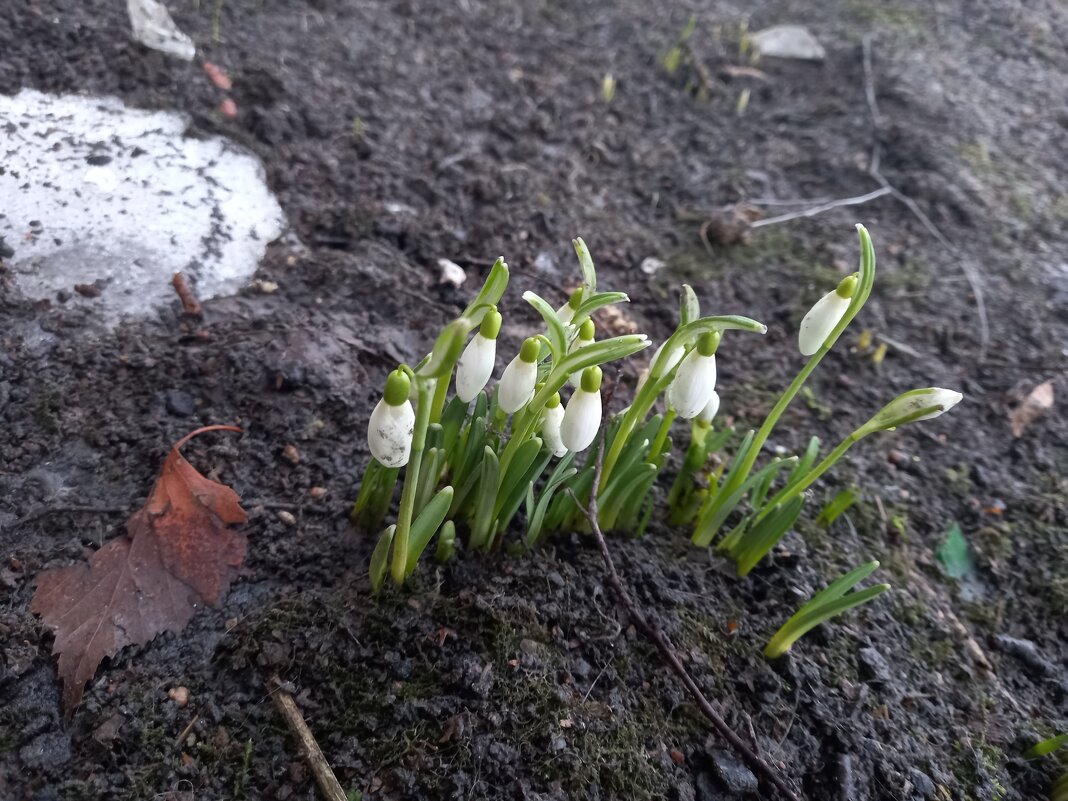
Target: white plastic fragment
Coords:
[[451, 273], [153, 27], [788, 41]]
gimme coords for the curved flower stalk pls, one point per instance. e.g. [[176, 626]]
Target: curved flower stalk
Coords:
[[728, 493], [750, 542]]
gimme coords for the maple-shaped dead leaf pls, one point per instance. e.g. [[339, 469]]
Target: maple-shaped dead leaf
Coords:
[[178, 552]]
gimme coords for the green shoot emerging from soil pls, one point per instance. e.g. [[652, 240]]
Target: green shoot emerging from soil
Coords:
[[832, 600], [474, 463]]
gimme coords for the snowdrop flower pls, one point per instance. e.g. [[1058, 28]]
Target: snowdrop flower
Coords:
[[567, 312], [910, 407], [673, 359], [517, 384], [389, 431], [695, 381], [582, 417], [825, 315], [475, 366], [707, 414], [550, 426], [585, 337]]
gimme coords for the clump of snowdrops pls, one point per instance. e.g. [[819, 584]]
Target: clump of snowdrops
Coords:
[[517, 459]]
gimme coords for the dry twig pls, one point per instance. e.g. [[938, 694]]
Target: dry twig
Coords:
[[667, 650], [310, 750]]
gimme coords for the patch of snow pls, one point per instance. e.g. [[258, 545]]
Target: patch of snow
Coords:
[[97, 193]]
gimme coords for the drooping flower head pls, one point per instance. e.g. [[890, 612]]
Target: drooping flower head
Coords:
[[566, 313], [695, 381], [519, 378], [475, 366], [822, 318], [586, 334], [550, 426], [582, 417], [913, 406], [389, 431]]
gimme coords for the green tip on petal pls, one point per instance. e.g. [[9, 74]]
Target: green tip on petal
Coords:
[[531, 350], [398, 385], [591, 379], [587, 330], [848, 286], [708, 343], [491, 324], [553, 402]]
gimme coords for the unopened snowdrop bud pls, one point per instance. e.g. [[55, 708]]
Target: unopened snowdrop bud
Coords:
[[913, 406], [520, 376], [550, 426], [567, 312], [707, 414], [695, 380], [389, 432], [475, 366], [582, 417], [585, 337], [825, 315]]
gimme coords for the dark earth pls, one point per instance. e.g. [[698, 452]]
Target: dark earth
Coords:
[[396, 134]]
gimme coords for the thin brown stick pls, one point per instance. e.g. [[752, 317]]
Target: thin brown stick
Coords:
[[185, 732], [313, 755], [667, 650]]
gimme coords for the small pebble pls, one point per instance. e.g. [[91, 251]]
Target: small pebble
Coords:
[[677, 756], [180, 695], [287, 518], [318, 492], [291, 454]]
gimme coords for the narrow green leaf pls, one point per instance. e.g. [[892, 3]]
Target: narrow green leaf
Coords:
[[598, 301], [757, 542], [837, 506], [836, 589], [486, 500], [605, 350], [426, 524], [1047, 746], [380, 559], [799, 625]]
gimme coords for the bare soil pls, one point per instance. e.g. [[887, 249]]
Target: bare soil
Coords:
[[399, 133]]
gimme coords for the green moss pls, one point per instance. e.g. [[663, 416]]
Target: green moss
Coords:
[[773, 248]]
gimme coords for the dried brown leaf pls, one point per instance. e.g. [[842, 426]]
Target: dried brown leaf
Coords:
[[178, 552], [1036, 404]]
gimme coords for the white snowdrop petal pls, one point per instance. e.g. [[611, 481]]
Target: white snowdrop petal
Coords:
[[693, 385], [708, 413], [820, 321], [550, 430], [389, 433], [475, 367], [946, 399], [517, 385], [582, 418], [565, 313]]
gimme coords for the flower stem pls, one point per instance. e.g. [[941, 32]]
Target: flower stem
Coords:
[[789, 492], [399, 567]]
